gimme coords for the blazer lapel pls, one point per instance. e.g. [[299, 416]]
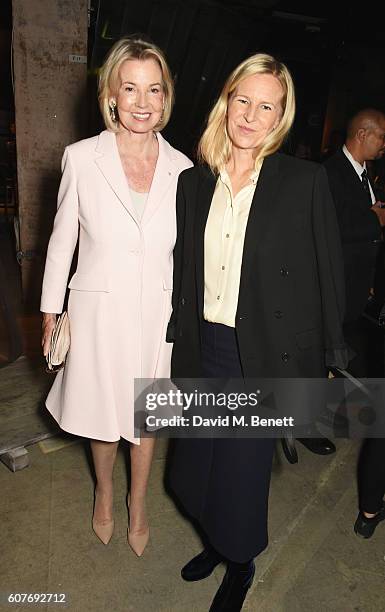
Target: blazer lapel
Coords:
[[164, 174], [205, 194], [261, 212], [110, 165]]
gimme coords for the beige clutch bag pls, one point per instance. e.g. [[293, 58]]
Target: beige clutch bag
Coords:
[[60, 343]]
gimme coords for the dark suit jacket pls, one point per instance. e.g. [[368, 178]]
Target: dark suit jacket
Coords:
[[360, 232], [291, 296]]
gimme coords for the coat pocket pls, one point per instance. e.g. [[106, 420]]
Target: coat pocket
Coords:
[[89, 282], [308, 338]]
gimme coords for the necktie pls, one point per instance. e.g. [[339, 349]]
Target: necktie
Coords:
[[365, 184]]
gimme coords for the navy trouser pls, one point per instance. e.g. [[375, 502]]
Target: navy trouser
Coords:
[[224, 482]]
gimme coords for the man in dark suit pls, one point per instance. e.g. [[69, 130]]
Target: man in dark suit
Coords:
[[361, 218]]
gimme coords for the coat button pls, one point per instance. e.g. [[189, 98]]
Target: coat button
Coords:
[[278, 314], [183, 301], [283, 272], [285, 357]]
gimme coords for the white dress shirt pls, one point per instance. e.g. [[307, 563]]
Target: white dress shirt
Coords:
[[359, 169]]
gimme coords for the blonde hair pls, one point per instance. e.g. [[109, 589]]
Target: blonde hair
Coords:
[[214, 147], [129, 49]]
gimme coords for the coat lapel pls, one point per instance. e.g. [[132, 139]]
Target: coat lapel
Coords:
[[205, 194], [110, 165], [164, 174], [261, 212]]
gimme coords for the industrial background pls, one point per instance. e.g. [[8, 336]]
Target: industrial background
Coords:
[[51, 51]]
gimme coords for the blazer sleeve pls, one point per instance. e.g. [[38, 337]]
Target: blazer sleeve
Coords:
[[178, 259], [63, 240], [357, 224], [330, 271]]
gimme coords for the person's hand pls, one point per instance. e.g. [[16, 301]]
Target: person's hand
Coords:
[[49, 321], [379, 209]]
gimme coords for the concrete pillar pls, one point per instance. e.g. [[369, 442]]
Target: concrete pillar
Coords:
[[50, 107]]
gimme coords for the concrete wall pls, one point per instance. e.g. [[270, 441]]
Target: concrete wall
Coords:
[[50, 106]]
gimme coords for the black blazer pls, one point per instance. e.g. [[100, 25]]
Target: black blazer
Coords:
[[360, 232], [291, 296]]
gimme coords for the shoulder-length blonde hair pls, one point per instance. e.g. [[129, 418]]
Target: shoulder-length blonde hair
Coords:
[[129, 49], [214, 147]]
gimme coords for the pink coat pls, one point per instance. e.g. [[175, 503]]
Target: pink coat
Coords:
[[120, 298]]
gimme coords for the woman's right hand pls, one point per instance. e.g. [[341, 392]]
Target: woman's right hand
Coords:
[[49, 321]]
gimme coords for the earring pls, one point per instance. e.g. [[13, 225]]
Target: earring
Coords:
[[112, 106]]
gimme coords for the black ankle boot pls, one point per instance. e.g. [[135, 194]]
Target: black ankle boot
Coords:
[[232, 592], [202, 565]]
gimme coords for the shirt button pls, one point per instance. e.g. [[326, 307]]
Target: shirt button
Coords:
[[285, 357], [278, 314], [283, 272], [223, 267], [218, 297], [227, 235]]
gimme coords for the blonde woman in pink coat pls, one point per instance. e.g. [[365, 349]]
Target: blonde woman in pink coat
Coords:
[[117, 197]]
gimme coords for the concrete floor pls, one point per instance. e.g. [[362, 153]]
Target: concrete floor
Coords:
[[314, 561]]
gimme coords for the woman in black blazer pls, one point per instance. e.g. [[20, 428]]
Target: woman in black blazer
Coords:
[[258, 292]]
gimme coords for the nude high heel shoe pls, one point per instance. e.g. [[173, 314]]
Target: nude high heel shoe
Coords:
[[137, 541], [103, 529]]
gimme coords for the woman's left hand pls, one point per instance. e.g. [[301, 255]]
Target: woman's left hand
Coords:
[[49, 321]]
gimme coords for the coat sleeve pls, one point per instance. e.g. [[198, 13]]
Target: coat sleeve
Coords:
[[330, 271], [63, 241], [357, 224], [178, 259]]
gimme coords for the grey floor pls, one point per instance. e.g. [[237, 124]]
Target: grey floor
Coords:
[[314, 560]]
